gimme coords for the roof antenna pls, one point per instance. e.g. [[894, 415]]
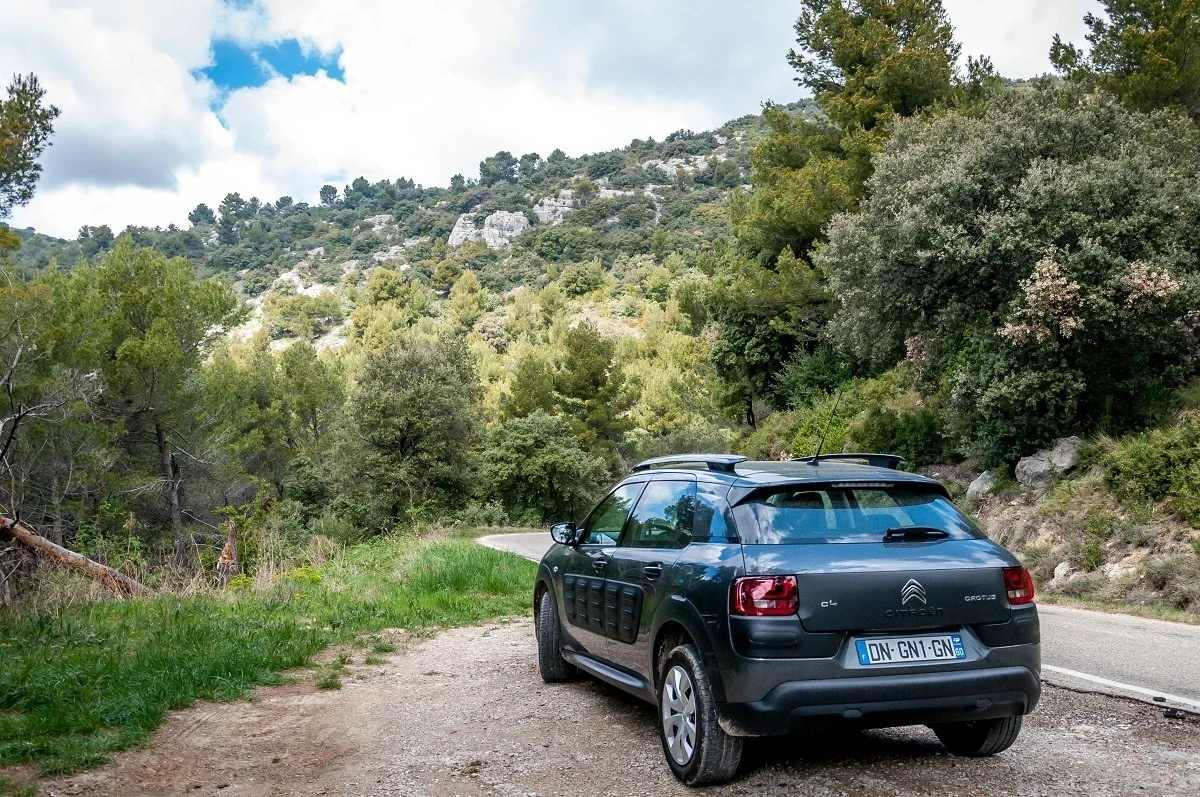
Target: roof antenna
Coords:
[[828, 423]]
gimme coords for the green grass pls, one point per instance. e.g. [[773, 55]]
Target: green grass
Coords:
[[87, 680], [330, 681]]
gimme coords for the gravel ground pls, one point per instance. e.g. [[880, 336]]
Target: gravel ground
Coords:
[[464, 713]]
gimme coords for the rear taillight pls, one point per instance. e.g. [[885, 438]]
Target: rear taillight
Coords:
[[1018, 584], [764, 596]]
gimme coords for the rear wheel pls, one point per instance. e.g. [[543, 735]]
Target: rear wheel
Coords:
[[698, 751], [979, 738], [553, 668]]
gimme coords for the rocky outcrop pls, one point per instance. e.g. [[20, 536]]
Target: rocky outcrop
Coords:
[[378, 222], [551, 209], [393, 253], [1036, 470], [498, 229], [690, 164]]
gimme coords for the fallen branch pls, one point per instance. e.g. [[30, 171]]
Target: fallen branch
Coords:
[[115, 580]]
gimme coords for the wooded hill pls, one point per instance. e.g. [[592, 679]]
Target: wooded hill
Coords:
[[925, 259]]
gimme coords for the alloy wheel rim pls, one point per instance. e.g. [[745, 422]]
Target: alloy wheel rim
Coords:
[[679, 715]]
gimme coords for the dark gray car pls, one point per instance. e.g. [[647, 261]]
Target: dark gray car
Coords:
[[761, 598]]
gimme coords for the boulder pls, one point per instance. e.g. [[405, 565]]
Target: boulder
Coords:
[[498, 229], [983, 484], [1065, 454], [1034, 471]]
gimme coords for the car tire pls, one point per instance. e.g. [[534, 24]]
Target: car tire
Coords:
[[553, 668], [697, 749], [979, 738]]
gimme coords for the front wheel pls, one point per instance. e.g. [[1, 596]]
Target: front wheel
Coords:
[[553, 668], [698, 750], [980, 738]]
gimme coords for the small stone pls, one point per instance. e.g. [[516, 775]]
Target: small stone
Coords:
[[223, 784]]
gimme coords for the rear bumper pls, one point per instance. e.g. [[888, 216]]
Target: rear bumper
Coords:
[[886, 701]]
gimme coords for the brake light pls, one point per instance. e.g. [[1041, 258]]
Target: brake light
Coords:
[[1018, 585], [764, 596]]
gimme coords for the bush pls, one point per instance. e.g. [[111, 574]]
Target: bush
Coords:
[[915, 435], [1160, 464]]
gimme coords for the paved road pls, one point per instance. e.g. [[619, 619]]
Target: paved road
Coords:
[[1107, 653]]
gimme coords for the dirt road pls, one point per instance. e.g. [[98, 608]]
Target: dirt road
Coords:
[[464, 713]]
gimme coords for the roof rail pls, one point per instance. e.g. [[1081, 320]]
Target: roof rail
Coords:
[[889, 461], [723, 463]]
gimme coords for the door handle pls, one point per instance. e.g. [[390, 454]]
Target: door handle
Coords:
[[599, 565], [652, 571]]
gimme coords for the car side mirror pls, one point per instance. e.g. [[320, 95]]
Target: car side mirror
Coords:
[[564, 533]]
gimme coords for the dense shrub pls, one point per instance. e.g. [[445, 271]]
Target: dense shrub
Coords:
[[1160, 464], [1036, 257], [914, 434]]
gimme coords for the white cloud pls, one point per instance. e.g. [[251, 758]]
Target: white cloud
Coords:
[[430, 88]]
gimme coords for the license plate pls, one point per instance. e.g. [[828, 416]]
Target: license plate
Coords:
[[907, 649]]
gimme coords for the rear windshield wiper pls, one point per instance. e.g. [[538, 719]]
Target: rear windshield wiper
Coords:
[[915, 533]]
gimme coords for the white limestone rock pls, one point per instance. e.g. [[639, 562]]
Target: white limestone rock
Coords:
[[393, 253], [378, 222], [498, 229], [464, 230], [552, 209]]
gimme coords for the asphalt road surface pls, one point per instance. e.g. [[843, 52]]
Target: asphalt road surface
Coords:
[[1152, 660]]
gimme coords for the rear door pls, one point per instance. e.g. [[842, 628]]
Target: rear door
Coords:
[[583, 571], [640, 570]]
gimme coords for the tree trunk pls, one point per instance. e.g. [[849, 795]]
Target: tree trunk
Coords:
[[227, 565], [56, 535], [115, 580], [172, 479]]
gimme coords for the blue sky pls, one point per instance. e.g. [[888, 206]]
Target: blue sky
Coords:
[[236, 65], [167, 104]]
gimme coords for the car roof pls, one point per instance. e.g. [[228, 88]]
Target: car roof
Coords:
[[753, 474]]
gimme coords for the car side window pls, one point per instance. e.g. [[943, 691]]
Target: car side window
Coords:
[[663, 518], [606, 522]]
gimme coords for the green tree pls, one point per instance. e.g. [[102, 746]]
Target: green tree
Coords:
[[531, 388], [328, 195], [591, 390], [1034, 259], [1147, 52], [533, 464], [410, 424], [501, 167], [763, 317], [467, 300], [152, 324], [25, 127], [866, 61], [313, 390], [202, 214]]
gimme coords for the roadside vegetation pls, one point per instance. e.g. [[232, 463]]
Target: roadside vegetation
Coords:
[[82, 679]]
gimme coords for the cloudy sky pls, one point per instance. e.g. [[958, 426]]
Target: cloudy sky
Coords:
[[169, 103]]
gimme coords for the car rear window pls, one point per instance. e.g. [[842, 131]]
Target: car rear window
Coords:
[[845, 513]]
